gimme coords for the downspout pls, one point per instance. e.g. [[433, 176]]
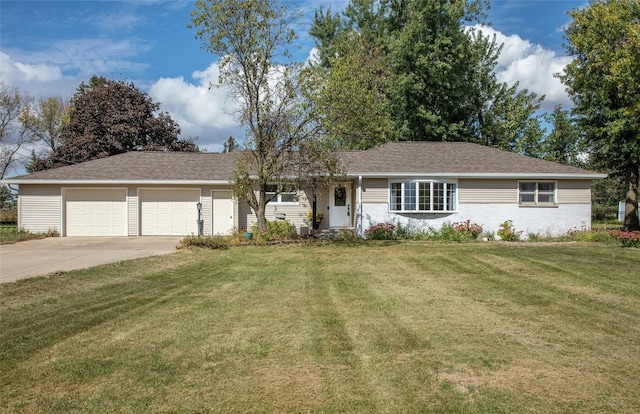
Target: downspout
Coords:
[[359, 230]]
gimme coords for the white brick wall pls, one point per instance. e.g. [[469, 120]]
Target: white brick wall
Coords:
[[544, 221]]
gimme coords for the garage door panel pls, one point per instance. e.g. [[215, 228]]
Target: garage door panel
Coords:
[[168, 212], [96, 212]]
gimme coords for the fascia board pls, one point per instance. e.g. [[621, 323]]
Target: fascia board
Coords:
[[587, 176]]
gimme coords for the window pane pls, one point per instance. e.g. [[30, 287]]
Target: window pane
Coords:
[[528, 187], [410, 196], [546, 186], [438, 196], [288, 197], [545, 198], [340, 196], [424, 196], [451, 197], [396, 196], [527, 198]]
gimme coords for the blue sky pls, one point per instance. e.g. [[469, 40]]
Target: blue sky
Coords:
[[48, 47]]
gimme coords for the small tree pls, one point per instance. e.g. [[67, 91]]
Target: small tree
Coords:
[[44, 120], [283, 146], [230, 145], [13, 134]]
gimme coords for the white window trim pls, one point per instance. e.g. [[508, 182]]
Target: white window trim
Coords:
[[278, 200], [535, 202], [422, 180]]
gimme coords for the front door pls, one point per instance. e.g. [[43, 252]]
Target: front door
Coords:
[[340, 205]]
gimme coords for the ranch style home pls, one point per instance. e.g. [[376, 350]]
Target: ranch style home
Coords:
[[418, 184]]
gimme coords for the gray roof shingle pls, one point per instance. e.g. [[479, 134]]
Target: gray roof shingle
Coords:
[[451, 158], [393, 158]]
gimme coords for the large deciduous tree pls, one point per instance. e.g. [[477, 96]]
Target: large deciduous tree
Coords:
[[109, 117], [432, 77], [604, 82], [283, 146]]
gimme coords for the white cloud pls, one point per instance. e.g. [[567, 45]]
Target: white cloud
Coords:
[[201, 111], [37, 80], [531, 65]]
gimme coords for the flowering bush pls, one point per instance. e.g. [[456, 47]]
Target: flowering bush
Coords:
[[468, 228], [507, 232], [380, 231], [627, 238]]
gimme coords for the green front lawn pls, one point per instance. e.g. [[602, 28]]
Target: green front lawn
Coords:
[[392, 328]]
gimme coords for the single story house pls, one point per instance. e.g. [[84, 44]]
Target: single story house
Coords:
[[418, 184]]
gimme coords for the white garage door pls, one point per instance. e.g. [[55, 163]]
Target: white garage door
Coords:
[[96, 212], [169, 212]]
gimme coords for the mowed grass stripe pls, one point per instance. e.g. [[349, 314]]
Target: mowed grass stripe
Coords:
[[375, 328]]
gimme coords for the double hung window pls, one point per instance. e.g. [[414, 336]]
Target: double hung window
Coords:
[[537, 193]]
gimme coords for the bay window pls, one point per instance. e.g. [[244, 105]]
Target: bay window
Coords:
[[422, 196]]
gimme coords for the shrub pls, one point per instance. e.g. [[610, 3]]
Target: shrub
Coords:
[[467, 228], [627, 238], [402, 232], [348, 236], [277, 230], [380, 231], [602, 212], [209, 242], [507, 232]]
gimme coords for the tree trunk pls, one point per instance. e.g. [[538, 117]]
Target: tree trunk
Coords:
[[262, 209], [631, 200]]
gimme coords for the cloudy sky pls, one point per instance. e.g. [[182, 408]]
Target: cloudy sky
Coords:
[[48, 47]]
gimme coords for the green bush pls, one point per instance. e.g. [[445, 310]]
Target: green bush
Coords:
[[209, 242], [507, 232], [603, 212], [277, 230]]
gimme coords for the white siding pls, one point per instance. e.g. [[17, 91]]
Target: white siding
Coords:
[[207, 209], [132, 211], [40, 208]]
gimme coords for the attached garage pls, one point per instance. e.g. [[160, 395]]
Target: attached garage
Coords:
[[169, 212], [95, 211]]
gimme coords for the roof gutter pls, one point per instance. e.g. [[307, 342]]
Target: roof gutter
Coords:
[[579, 176]]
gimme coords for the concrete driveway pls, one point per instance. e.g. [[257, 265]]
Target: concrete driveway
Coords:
[[54, 254]]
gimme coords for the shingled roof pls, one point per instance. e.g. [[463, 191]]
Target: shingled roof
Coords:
[[138, 166], [454, 159]]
